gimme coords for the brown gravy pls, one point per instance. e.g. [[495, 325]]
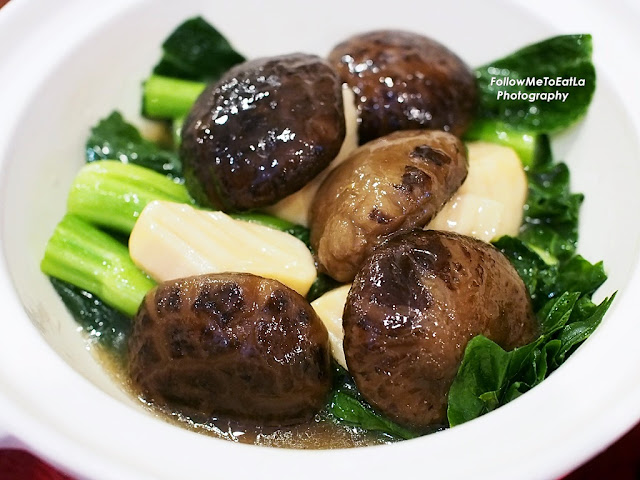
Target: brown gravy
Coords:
[[321, 433]]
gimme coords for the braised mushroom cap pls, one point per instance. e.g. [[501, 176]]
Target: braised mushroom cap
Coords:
[[232, 345], [388, 186], [405, 81], [411, 310], [263, 131]]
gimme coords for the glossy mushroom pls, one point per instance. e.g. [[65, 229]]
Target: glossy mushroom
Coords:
[[231, 345], [263, 131], [413, 307], [405, 81], [388, 186]]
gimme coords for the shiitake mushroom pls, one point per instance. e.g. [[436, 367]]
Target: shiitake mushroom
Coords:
[[264, 130], [404, 81], [246, 347], [388, 186], [231, 345], [412, 308]]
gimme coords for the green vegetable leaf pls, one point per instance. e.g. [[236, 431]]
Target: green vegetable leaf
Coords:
[[113, 138], [566, 56], [578, 331], [577, 275], [529, 265], [553, 242], [349, 410], [542, 154], [584, 308], [481, 376], [549, 183], [556, 313], [196, 51], [321, 285], [559, 282], [347, 406], [489, 376], [104, 325], [551, 211], [550, 198], [545, 280]]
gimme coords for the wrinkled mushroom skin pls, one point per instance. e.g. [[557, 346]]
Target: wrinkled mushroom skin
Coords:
[[413, 307], [232, 345], [263, 131], [405, 81], [388, 186]]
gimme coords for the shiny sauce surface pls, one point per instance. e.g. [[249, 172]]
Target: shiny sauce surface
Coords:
[[320, 433]]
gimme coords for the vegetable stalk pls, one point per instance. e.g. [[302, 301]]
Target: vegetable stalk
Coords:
[[112, 194], [167, 97], [92, 260]]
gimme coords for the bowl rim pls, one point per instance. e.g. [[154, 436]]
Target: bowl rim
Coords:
[[68, 444]]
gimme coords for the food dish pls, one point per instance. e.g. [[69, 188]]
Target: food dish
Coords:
[[443, 436], [227, 358]]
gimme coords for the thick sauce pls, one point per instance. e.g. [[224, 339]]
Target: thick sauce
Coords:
[[320, 433]]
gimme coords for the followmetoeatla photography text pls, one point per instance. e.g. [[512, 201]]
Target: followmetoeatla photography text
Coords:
[[535, 82]]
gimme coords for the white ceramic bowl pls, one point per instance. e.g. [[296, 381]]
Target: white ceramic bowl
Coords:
[[63, 65]]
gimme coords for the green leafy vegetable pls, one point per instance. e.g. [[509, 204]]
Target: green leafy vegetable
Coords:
[[349, 410], [551, 211], [560, 284], [115, 139], [584, 320], [321, 285], [530, 266], [176, 130], [567, 56], [113, 194], [82, 255], [196, 51], [489, 376], [347, 406], [550, 224], [104, 325], [577, 275], [482, 373], [193, 55], [545, 281], [167, 97]]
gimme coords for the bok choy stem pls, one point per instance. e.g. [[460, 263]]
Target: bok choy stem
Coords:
[[112, 194], [92, 260], [168, 97]]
